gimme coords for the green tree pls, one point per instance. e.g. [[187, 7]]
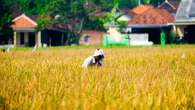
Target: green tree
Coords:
[[75, 13], [127, 3], [5, 20], [32, 7], [36, 8], [112, 18], [153, 2], [71, 13]]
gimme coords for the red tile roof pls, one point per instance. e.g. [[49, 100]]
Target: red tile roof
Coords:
[[142, 8], [153, 16], [23, 21]]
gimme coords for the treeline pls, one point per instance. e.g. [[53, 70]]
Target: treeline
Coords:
[[74, 13], [40, 6]]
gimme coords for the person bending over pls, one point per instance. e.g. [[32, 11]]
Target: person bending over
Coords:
[[95, 60]]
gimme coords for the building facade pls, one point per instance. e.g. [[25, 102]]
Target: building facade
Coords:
[[24, 32], [91, 37]]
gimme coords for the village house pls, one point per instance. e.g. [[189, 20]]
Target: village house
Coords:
[[172, 22], [170, 5], [148, 25], [25, 34], [92, 37], [155, 25], [152, 21], [185, 22]]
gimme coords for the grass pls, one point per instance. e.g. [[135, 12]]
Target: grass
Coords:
[[146, 78]]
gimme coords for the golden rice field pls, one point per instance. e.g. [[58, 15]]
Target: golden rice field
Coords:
[[144, 78]]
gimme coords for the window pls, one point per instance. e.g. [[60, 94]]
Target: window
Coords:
[[86, 39]]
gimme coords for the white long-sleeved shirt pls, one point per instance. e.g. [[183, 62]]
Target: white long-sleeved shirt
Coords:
[[90, 61]]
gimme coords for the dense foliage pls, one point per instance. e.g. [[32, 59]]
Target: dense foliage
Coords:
[[5, 20], [73, 13]]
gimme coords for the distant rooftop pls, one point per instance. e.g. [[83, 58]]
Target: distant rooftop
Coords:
[[153, 16], [142, 8], [186, 12], [23, 22], [170, 5]]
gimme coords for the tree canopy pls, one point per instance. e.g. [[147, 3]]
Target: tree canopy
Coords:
[[5, 19], [74, 13]]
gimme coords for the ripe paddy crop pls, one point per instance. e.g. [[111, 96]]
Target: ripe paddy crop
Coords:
[[142, 78]]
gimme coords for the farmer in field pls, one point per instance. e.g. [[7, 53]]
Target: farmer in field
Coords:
[[95, 60]]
